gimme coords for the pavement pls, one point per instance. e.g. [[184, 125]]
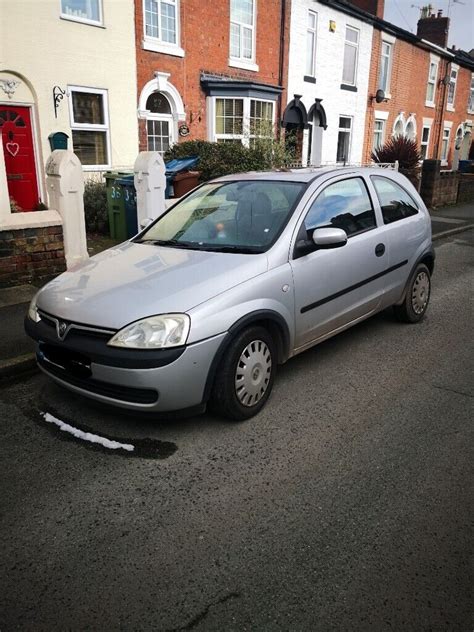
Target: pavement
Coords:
[[17, 351]]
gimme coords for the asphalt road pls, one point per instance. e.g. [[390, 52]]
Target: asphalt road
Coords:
[[345, 505]]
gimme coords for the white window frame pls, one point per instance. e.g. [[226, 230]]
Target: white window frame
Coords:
[[447, 138], [400, 119], [389, 43], [345, 130], [75, 18], [246, 135], [353, 45], [167, 118], [156, 44], [470, 103], [450, 103], [427, 142], [434, 61], [243, 62], [382, 138], [314, 32], [89, 127]]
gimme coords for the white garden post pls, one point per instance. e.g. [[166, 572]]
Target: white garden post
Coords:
[[150, 184], [65, 184]]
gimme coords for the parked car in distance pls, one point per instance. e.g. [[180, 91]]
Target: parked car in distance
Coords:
[[239, 276]]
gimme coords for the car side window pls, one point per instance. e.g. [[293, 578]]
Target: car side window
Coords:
[[395, 202], [345, 204]]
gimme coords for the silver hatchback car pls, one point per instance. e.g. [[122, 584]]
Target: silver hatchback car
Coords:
[[237, 277]]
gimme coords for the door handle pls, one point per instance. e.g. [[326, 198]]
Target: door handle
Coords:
[[379, 249]]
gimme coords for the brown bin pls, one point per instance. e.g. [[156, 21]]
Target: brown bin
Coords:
[[184, 182]]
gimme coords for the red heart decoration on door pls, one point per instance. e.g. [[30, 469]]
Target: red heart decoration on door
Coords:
[[13, 148]]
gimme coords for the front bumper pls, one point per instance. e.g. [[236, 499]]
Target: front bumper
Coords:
[[168, 381]]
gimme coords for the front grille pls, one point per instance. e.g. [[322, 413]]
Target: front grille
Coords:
[[114, 391], [76, 328]]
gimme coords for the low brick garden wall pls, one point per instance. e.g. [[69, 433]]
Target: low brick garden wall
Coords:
[[466, 188], [31, 255]]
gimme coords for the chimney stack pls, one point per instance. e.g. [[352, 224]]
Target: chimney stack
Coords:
[[375, 7], [434, 28]]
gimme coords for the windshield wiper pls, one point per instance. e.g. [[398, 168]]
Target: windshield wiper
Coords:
[[244, 250], [173, 243]]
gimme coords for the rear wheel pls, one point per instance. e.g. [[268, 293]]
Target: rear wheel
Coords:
[[417, 296], [245, 375]]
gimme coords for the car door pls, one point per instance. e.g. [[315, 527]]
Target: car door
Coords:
[[334, 287]]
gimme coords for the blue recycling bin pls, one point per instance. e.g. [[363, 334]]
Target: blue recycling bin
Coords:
[[175, 166], [130, 203]]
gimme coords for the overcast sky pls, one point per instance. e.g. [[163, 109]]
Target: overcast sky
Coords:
[[461, 30]]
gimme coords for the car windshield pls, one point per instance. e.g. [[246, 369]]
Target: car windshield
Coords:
[[245, 216]]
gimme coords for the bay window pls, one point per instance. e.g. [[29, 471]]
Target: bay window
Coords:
[[242, 120]]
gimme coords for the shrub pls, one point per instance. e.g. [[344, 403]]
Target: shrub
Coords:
[[219, 159], [405, 151], [95, 207]]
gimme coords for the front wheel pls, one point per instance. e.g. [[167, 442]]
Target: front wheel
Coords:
[[245, 375], [417, 296]]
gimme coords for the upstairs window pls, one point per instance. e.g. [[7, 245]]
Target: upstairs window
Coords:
[[161, 21], [385, 67], [311, 44], [242, 30], [90, 126], [452, 87], [89, 11], [470, 105], [351, 48], [431, 86]]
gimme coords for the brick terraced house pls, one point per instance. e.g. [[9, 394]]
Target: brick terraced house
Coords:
[[209, 70]]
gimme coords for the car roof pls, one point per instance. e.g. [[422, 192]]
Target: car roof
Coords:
[[303, 174]]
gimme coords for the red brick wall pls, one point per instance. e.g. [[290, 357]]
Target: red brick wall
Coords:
[[408, 83], [205, 32], [31, 255]]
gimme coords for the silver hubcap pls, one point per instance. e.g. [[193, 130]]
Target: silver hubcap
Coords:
[[420, 292], [252, 375]]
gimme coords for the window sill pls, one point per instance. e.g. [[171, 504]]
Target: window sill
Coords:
[[73, 18], [444, 163], [450, 108], [429, 104], [158, 47], [309, 79], [345, 86], [245, 65]]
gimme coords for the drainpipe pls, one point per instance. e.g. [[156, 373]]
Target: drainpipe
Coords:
[[281, 63], [442, 110]]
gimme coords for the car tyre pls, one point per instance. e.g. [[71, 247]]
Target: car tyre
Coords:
[[417, 296], [245, 375]]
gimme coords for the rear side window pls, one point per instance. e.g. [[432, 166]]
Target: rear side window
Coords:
[[344, 204], [395, 202]]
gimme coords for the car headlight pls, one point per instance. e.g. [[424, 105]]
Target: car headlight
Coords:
[[33, 310], [154, 332]]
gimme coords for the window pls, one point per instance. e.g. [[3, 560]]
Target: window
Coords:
[[394, 201], [385, 64], [470, 105], [431, 87], [243, 119], [90, 125], [311, 44], [410, 129], [344, 204], [379, 128], [399, 129], [82, 10], [452, 87], [425, 141], [159, 123], [445, 144], [160, 20], [351, 45], [344, 138], [242, 30]]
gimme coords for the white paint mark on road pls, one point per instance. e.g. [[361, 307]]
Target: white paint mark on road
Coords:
[[87, 436]]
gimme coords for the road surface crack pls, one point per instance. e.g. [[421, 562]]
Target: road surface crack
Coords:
[[451, 390], [202, 615]]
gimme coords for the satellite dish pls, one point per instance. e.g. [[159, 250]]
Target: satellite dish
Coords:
[[379, 96]]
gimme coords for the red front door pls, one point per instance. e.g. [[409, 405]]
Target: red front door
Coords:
[[17, 138]]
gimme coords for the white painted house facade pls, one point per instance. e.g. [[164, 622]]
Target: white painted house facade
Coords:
[[329, 62], [66, 66]]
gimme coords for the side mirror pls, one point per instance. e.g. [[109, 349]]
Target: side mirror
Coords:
[[329, 237], [145, 222]]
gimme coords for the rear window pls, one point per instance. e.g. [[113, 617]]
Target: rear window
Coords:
[[395, 202]]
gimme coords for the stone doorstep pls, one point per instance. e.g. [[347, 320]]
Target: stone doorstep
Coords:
[[16, 295], [32, 219]]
